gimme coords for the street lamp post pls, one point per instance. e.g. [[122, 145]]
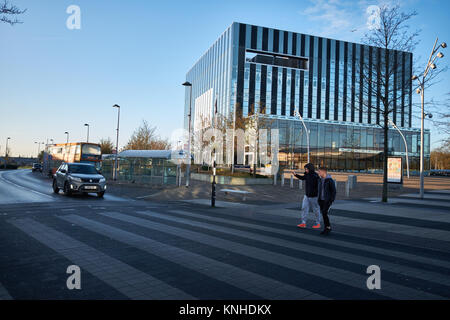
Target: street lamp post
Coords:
[[406, 145], [430, 65], [188, 165], [67, 134], [46, 144], [117, 142], [87, 125], [39, 147], [6, 151], [213, 184], [306, 130]]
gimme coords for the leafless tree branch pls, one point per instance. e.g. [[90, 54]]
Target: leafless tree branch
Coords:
[[9, 13]]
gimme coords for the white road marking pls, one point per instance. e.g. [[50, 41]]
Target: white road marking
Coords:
[[24, 188]]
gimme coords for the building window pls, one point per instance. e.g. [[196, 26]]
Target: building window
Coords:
[[275, 59]]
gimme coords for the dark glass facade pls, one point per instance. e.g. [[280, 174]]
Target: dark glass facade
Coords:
[[252, 69]]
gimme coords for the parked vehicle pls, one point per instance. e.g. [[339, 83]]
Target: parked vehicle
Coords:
[[440, 172], [36, 167], [79, 178]]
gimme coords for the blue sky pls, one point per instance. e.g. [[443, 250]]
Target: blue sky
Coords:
[[136, 54]]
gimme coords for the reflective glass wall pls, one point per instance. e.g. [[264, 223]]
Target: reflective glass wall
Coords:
[[336, 80], [258, 70], [212, 72], [344, 147]]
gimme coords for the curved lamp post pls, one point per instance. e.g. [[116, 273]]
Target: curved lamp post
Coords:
[[406, 145], [296, 113]]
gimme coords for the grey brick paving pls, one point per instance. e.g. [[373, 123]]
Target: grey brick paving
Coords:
[[99, 264], [302, 236], [253, 250], [298, 264], [364, 261], [262, 286]]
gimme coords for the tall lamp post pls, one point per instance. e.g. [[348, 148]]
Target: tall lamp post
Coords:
[[87, 125], [420, 90], [406, 145], [188, 165], [67, 134], [46, 145], [39, 147], [6, 151], [117, 142], [296, 113]]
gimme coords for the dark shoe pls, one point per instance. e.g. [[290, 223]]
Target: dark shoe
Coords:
[[326, 231]]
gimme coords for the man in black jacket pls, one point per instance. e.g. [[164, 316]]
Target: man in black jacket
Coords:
[[311, 191], [327, 194]]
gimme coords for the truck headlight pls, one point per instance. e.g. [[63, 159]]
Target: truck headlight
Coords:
[[102, 180]]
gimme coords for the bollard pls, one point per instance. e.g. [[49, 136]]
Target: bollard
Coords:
[[300, 184], [292, 181], [347, 188], [275, 179], [351, 179], [282, 179]]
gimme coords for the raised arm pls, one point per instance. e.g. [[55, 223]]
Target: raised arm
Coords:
[[298, 176]]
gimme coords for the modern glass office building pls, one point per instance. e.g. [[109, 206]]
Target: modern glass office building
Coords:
[[270, 73]]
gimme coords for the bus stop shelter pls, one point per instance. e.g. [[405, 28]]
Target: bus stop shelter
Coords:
[[144, 166]]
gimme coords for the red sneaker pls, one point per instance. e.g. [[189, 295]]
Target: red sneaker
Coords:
[[317, 226], [302, 225]]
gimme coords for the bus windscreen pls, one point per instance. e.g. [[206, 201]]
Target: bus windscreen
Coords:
[[91, 149]]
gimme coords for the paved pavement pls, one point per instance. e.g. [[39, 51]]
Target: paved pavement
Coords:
[[186, 250]]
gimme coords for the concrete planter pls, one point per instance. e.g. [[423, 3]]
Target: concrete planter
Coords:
[[230, 180]]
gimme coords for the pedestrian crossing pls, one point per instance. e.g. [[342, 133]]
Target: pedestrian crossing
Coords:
[[182, 253], [128, 280]]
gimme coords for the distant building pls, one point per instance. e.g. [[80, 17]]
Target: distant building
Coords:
[[20, 161], [253, 70]]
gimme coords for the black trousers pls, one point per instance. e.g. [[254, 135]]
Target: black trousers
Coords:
[[324, 207]]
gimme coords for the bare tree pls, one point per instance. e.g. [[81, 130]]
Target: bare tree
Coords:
[[441, 114], [145, 138], [9, 13], [440, 157], [106, 145], [380, 80]]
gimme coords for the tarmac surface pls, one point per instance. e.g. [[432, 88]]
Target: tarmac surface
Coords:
[[128, 248]]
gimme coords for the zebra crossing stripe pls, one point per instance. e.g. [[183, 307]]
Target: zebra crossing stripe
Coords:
[[261, 286], [341, 276], [415, 213], [129, 281], [352, 245], [364, 261]]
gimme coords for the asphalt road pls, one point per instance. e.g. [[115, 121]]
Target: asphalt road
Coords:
[[135, 249], [24, 186]]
